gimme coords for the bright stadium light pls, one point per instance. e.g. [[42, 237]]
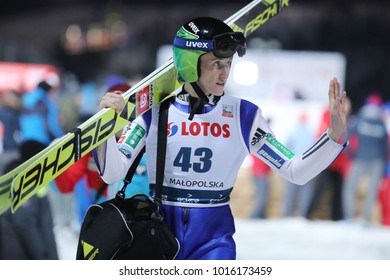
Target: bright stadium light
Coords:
[[245, 73]]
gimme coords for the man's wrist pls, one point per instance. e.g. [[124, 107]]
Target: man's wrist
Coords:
[[334, 136]]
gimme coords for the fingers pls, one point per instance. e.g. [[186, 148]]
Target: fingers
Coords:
[[345, 103], [112, 100], [332, 89], [118, 92], [335, 91]]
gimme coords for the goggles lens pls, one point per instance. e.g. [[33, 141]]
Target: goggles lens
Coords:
[[223, 46]]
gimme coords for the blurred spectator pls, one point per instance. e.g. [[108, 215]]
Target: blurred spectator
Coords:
[[40, 115], [370, 159], [88, 100], [10, 106], [28, 233], [384, 192], [74, 191], [297, 197], [384, 199], [332, 178], [261, 173]]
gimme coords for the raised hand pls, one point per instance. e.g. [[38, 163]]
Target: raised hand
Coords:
[[338, 110]]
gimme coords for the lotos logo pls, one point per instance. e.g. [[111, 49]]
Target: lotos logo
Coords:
[[200, 129], [205, 129], [172, 129]]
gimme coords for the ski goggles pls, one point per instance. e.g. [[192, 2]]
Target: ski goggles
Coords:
[[224, 45]]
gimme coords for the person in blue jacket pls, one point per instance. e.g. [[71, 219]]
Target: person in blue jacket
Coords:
[[39, 119]]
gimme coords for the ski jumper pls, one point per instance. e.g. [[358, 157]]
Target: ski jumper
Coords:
[[203, 158]]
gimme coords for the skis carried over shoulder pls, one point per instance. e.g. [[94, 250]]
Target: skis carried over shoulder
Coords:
[[18, 185]]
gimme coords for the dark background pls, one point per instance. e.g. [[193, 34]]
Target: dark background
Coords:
[[33, 31]]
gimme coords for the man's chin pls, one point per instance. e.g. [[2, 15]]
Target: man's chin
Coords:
[[218, 93]]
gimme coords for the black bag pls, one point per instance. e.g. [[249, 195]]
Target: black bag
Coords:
[[130, 228], [126, 229]]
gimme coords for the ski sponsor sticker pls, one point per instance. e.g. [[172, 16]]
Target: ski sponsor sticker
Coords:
[[280, 147], [144, 99], [272, 157], [135, 136]]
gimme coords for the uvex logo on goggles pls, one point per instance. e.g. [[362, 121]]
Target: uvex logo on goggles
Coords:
[[202, 45], [224, 45]]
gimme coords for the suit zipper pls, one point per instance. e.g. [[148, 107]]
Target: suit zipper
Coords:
[[185, 217]]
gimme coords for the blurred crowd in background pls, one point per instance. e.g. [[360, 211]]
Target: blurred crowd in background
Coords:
[[115, 43]]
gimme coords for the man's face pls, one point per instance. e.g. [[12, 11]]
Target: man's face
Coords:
[[214, 73]]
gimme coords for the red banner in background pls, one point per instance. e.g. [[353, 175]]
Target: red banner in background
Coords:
[[23, 77]]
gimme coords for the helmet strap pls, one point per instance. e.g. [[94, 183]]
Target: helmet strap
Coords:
[[199, 92], [196, 104]]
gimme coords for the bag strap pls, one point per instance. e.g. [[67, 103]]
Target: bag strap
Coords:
[[161, 149], [130, 173], [100, 191]]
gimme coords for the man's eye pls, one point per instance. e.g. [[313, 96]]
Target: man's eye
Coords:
[[221, 64]]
